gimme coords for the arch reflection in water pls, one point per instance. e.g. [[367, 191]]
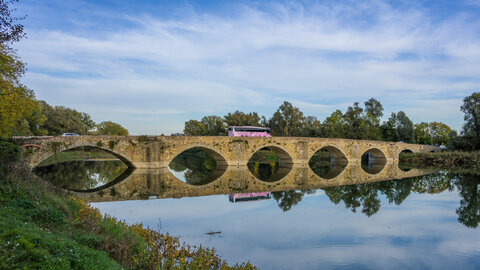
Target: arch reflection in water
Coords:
[[82, 169], [328, 162], [270, 164], [373, 161], [401, 165], [196, 167]]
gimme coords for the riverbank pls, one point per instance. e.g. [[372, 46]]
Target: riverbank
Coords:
[[42, 227], [442, 159]]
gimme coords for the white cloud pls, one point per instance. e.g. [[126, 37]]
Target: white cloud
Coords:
[[211, 64]]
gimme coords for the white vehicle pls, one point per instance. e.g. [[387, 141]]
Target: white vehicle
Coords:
[[70, 134]]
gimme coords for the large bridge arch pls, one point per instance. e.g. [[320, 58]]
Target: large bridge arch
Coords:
[[335, 150], [39, 155], [281, 152], [214, 152]]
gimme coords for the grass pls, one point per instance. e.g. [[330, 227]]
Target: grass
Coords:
[[43, 228]]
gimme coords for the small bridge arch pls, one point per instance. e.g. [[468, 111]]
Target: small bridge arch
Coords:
[[281, 152]]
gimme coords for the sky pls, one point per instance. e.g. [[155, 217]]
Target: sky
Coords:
[[152, 65]]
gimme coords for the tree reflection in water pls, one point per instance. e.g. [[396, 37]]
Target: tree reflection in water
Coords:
[[81, 175], [196, 165], [289, 198], [366, 197]]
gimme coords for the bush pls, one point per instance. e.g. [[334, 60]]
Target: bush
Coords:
[[9, 153]]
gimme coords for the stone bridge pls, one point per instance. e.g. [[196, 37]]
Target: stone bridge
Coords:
[[149, 152]]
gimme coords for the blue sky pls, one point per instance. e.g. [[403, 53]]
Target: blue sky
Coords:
[[152, 65]]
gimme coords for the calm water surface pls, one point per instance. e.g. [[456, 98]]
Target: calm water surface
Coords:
[[424, 222]]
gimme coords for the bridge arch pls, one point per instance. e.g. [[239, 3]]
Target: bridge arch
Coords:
[[276, 170], [219, 159], [325, 168], [338, 155], [117, 155], [375, 160], [282, 153]]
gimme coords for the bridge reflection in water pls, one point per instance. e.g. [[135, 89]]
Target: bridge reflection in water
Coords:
[[161, 183]]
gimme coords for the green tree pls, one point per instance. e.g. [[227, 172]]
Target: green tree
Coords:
[[389, 129], [10, 31], [215, 125], [355, 126], [432, 133], [287, 121], [334, 125], [111, 128], [373, 114], [61, 119], [194, 128], [405, 128], [471, 109], [373, 111], [398, 128], [242, 119], [312, 127]]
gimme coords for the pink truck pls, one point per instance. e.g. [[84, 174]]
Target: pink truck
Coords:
[[245, 131]]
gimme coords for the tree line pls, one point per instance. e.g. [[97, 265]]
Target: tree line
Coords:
[[20, 113], [358, 122]]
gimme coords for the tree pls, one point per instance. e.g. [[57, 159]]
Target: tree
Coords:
[[471, 108], [111, 128], [389, 129], [373, 111], [214, 125], [242, 119], [405, 128], [61, 119], [398, 128], [9, 30], [287, 121], [17, 102], [432, 133], [208, 126], [334, 125], [194, 128], [372, 116], [312, 127], [18, 107], [354, 122]]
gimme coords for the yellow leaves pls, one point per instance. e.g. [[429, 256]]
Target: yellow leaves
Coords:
[[16, 103]]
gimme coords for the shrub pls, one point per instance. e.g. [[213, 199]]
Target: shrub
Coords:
[[9, 153]]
